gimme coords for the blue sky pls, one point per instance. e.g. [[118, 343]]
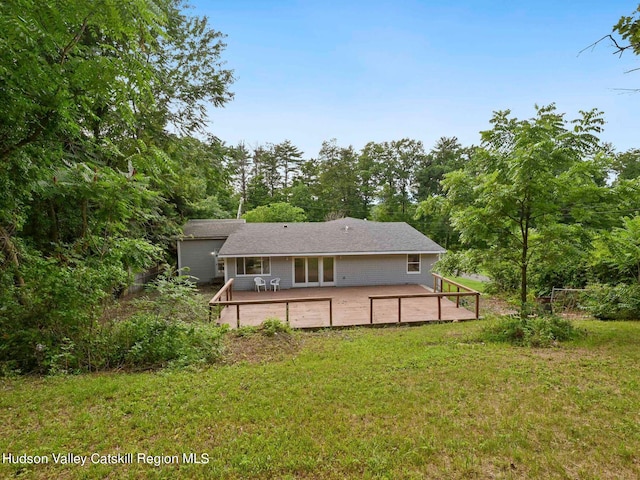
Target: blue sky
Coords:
[[362, 71]]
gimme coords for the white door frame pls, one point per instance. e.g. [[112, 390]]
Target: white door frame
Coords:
[[307, 283]]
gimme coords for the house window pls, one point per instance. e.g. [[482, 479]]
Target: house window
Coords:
[[253, 266], [413, 263]]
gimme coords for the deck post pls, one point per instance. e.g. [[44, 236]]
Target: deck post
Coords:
[[287, 312], [399, 309], [210, 313], [439, 307], [371, 310], [238, 315], [330, 312], [477, 306], [458, 297]]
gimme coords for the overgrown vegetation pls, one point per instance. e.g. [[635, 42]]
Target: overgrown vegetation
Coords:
[[167, 328], [617, 302], [535, 331]]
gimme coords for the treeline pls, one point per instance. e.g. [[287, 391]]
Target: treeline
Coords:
[[99, 164], [383, 181]]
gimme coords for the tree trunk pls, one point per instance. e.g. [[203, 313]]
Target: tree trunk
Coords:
[[523, 272], [523, 287], [12, 254], [83, 208], [53, 231]]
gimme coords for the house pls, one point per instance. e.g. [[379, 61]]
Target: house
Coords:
[[345, 252]]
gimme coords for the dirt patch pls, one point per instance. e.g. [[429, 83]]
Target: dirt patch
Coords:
[[258, 348], [496, 306]]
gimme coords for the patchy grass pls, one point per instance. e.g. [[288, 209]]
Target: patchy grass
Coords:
[[419, 402]]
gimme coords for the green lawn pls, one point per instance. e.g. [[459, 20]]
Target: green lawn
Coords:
[[476, 285], [419, 402]]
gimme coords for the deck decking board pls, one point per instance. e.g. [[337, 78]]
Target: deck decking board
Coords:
[[350, 307]]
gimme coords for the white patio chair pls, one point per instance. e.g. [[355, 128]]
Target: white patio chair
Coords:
[[259, 281], [275, 284]]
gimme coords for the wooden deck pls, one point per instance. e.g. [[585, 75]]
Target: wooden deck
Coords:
[[350, 307]]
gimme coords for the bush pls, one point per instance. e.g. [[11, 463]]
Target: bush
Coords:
[[176, 298], [619, 302], [57, 331], [540, 331], [144, 341], [246, 331], [272, 325]]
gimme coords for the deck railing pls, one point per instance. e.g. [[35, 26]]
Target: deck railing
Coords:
[[286, 301], [438, 294], [227, 291]]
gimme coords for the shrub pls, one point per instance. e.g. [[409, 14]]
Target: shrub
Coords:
[[246, 331], [144, 341], [272, 325], [539, 331], [619, 302], [177, 298]]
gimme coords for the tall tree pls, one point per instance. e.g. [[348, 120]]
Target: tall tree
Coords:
[[92, 95], [626, 165], [288, 157], [241, 166], [396, 166], [525, 184], [275, 212], [338, 179], [446, 156]]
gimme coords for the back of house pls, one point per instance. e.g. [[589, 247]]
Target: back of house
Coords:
[[345, 252]]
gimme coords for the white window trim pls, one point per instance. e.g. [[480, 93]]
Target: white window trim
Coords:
[[252, 274], [413, 263]]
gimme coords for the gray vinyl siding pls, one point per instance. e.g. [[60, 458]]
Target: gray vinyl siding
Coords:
[[359, 270], [356, 270], [196, 254], [280, 268]]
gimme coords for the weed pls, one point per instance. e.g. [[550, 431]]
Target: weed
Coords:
[[272, 326], [538, 331]]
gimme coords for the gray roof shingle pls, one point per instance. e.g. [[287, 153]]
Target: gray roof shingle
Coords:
[[344, 236], [210, 229]]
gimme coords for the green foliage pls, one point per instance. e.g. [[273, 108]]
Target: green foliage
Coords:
[[446, 156], [93, 185], [616, 255], [174, 298], [57, 307], [434, 218], [246, 331], [504, 275], [273, 326], [58, 330], [537, 332], [167, 328], [146, 341], [456, 263], [626, 165], [275, 212], [525, 187], [337, 190], [629, 29], [613, 302]]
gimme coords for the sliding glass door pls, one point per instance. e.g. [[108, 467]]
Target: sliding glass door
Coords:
[[313, 271]]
